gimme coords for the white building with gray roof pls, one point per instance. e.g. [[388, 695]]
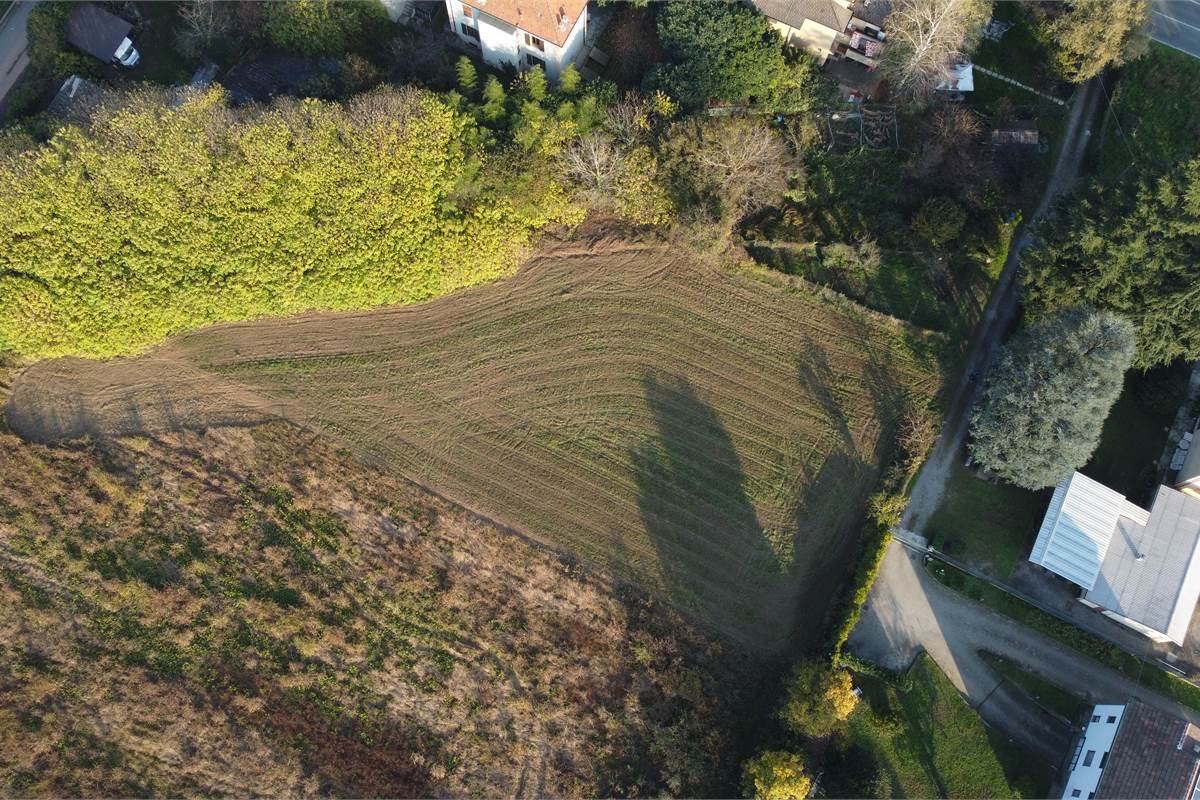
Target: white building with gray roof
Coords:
[[1138, 567]]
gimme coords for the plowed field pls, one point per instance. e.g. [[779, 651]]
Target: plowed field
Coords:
[[703, 434]]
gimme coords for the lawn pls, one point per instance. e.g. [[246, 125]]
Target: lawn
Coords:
[[704, 434], [991, 525], [1135, 432], [1153, 122], [1089, 644], [916, 737], [1051, 697]]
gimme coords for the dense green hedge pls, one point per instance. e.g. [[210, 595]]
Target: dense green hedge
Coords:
[[163, 217]]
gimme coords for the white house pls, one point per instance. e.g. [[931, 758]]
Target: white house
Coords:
[[522, 33], [1134, 751], [1140, 568]]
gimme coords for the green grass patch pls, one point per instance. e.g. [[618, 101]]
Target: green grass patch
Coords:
[[1153, 115], [916, 737], [1107, 653], [991, 525], [1021, 54], [1050, 696], [1135, 432]]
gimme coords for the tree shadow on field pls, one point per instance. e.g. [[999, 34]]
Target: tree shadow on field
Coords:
[[712, 552]]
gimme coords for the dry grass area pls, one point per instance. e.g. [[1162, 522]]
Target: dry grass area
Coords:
[[248, 612], [702, 433]]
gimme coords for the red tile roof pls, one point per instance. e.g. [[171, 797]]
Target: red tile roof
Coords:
[[1154, 755], [551, 20]]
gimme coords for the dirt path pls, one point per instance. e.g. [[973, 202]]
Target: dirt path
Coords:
[[927, 491], [909, 611]]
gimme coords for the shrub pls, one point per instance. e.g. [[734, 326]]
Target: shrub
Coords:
[[317, 27], [939, 221]]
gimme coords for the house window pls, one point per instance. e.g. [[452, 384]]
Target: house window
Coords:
[[1111, 720], [1096, 718], [532, 61], [1075, 793], [468, 12], [1103, 759], [535, 43], [1087, 760], [469, 31]]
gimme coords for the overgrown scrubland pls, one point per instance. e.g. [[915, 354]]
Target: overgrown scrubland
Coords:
[[248, 612], [162, 215]]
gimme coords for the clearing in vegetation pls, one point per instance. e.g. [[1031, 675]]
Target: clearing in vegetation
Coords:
[[248, 612], [701, 433]]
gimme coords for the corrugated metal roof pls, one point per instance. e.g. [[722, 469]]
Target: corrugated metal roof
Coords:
[[1077, 528], [1151, 573]]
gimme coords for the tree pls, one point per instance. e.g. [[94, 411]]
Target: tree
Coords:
[[493, 100], [321, 27], [202, 23], [1091, 35], [730, 165], [1133, 248], [468, 78], [569, 81], [1045, 400], [819, 699], [939, 221], [162, 216], [856, 264], [776, 775], [725, 51], [926, 39]]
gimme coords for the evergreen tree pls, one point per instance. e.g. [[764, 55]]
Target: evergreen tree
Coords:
[[1091, 35], [569, 81], [493, 100], [1044, 404], [468, 78], [1133, 248]]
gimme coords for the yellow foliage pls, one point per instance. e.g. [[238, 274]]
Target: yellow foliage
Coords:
[[776, 775]]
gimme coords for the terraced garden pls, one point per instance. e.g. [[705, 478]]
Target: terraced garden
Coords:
[[703, 434]]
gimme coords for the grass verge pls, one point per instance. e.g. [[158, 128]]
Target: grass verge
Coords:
[[1048, 695], [914, 736], [1108, 654]]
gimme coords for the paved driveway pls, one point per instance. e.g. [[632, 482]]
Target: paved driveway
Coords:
[[1176, 23], [909, 611]]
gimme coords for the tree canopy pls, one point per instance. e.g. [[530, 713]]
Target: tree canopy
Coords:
[[819, 699], [316, 27], [1091, 35], [1045, 401], [725, 51], [161, 217], [926, 38], [1133, 248], [776, 775]]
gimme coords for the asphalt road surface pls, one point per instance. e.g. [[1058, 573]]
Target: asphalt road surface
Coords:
[[1176, 23], [14, 57]]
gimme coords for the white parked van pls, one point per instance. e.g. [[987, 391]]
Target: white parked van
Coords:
[[102, 34]]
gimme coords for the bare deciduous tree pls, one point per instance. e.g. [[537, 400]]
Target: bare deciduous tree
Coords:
[[203, 22], [593, 164], [926, 38], [746, 160]]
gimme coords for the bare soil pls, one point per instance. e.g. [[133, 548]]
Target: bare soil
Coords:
[[701, 433]]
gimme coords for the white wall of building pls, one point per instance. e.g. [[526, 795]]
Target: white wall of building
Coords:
[[502, 44], [1089, 760]]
